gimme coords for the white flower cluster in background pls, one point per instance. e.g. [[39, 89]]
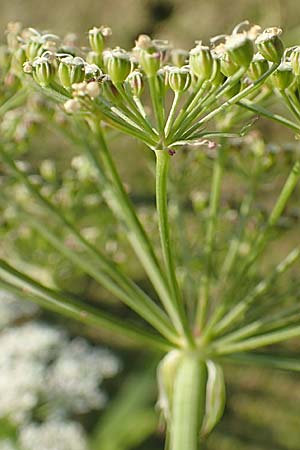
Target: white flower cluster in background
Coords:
[[12, 309], [53, 435], [41, 367]]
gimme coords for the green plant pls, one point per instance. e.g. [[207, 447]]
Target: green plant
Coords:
[[223, 316]]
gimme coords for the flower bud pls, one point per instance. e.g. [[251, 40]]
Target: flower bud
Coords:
[[179, 57], [136, 83], [93, 89], [283, 77], [201, 62], [179, 79], [240, 49], [258, 67], [72, 106], [295, 61], [270, 45], [70, 71], [43, 71], [97, 38], [118, 65]]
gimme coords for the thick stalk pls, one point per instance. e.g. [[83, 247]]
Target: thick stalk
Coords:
[[189, 400]]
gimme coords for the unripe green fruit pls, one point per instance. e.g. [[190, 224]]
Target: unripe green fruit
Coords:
[[295, 61], [240, 49], [43, 71], [136, 83], [179, 79], [270, 47], [33, 49], [150, 62], [70, 71], [283, 77], [118, 66], [258, 67], [201, 62]]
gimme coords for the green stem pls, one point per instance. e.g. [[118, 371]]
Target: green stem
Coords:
[[275, 361], [157, 102], [189, 400], [258, 341], [136, 234], [247, 104], [170, 120], [268, 323], [66, 305], [210, 237], [162, 168]]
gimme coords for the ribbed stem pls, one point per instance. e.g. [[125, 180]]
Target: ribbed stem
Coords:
[[188, 403]]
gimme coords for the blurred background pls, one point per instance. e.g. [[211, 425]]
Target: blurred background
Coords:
[[263, 412]]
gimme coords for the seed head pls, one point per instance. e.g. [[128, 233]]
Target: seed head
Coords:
[[97, 38], [295, 61], [118, 65], [136, 83], [43, 70], [72, 106], [240, 49], [270, 45], [283, 77], [258, 67], [71, 70], [201, 62], [179, 79]]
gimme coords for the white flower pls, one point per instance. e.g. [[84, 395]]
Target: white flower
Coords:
[[75, 375], [53, 435], [30, 341], [20, 384]]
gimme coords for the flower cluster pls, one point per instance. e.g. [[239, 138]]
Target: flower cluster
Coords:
[[50, 378], [98, 83]]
